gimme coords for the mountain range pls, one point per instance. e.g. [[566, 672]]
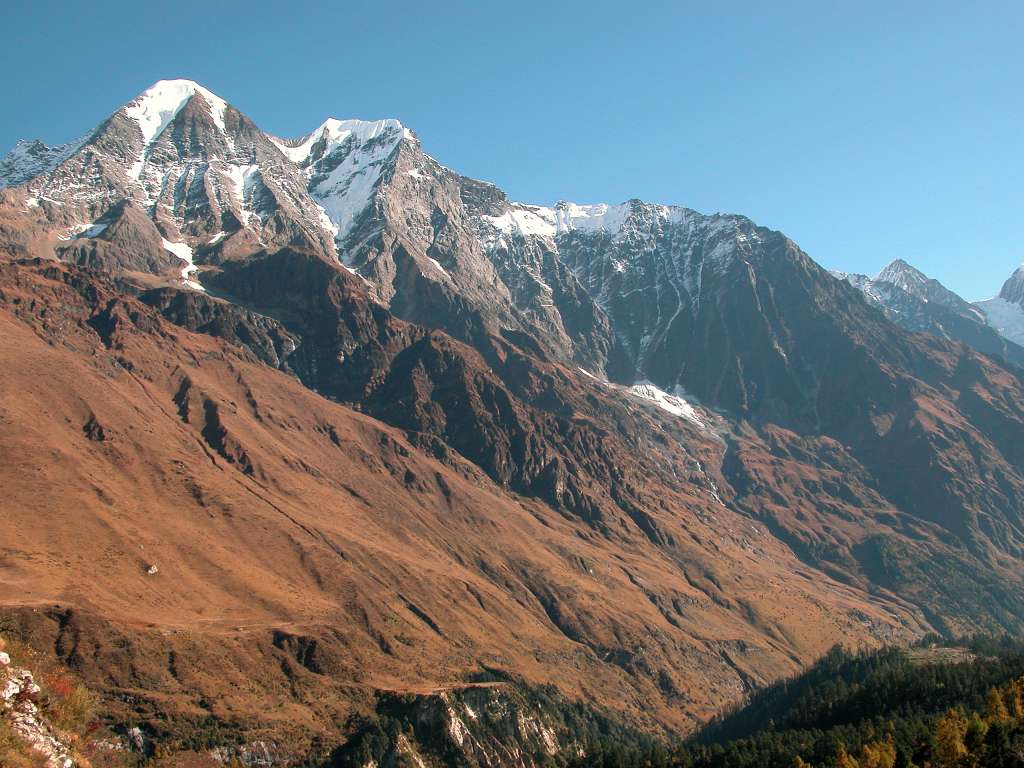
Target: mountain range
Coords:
[[296, 425]]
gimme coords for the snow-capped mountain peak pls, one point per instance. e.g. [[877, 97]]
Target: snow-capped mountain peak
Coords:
[[917, 302], [899, 272], [912, 280], [344, 161], [156, 107]]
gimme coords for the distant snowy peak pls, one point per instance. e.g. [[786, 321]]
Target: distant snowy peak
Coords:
[[875, 290], [913, 281], [920, 304], [905, 290], [1005, 312], [1013, 288], [899, 272], [29, 159], [156, 107]]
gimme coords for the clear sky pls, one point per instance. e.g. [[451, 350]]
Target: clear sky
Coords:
[[865, 131]]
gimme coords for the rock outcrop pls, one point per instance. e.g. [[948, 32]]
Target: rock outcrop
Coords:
[[19, 696]]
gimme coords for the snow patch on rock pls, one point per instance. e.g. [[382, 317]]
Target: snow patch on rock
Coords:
[[437, 265], [93, 230], [674, 404], [189, 270]]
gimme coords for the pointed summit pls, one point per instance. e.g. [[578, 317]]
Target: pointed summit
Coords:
[[900, 273], [1013, 288], [915, 282], [156, 107]]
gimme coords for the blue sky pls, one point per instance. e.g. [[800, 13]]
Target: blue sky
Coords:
[[863, 131]]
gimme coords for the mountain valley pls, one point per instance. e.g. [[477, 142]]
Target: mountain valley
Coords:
[[303, 431]]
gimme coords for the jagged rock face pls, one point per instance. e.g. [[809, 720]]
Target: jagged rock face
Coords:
[[508, 409], [920, 304], [264, 337], [415, 247], [487, 724]]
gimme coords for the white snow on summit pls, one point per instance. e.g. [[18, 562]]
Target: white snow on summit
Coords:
[[563, 217], [525, 220], [157, 106], [352, 155], [593, 218], [334, 132]]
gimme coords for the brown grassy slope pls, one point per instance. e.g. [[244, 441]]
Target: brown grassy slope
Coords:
[[308, 554]]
